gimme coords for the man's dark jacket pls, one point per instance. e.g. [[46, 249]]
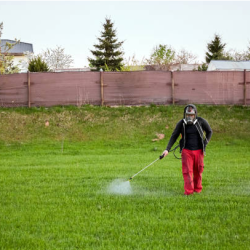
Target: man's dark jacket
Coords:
[[200, 123]]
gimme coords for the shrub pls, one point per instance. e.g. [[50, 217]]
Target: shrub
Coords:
[[38, 65], [203, 67]]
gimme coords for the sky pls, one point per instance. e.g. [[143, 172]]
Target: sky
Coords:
[[142, 25]]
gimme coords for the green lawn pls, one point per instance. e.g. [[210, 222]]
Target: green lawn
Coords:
[[54, 180]]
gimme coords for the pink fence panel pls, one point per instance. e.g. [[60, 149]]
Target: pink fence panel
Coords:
[[137, 88], [209, 87], [66, 88], [125, 88], [248, 88], [13, 90]]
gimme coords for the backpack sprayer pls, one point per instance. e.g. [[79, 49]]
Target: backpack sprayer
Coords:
[[159, 158]]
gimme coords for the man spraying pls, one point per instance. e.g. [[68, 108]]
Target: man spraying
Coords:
[[192, 146]]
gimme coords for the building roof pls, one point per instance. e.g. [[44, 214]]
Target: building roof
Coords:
[[72, 69], [174, 67], [18, 49], [228, 65]]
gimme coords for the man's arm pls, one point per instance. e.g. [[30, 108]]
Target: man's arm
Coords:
[[206, 127], [173, 137]]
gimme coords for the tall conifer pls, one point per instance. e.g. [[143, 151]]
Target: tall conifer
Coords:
[[215, 50], [108, 54]]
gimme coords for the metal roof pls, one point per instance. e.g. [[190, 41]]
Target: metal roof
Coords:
[[228, 65], [19, 48]]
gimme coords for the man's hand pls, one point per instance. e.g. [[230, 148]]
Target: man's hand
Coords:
[[165, 153]]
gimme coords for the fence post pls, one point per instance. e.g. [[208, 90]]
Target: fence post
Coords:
[[172, 77], [102, 94], [245, 87], [28, 75]]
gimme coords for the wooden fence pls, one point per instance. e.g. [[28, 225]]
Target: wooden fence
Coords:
[[125, 88]]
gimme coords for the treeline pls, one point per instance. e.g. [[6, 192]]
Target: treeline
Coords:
[[108, 55]]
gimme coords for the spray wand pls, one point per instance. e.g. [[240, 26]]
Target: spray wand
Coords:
[[161, 156]]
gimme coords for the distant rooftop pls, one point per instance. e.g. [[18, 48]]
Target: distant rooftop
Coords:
[[224, 65], [18, 49], [72, 69], [174, 67]]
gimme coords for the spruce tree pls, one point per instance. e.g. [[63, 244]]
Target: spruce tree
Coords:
[[108, 54], [215, 50]]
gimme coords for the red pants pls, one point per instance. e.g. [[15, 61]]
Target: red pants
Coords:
[[192, 168]]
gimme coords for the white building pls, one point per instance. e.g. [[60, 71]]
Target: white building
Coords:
[[18, 51], [221, 65]]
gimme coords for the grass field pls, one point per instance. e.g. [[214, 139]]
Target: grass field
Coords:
[[54, 180]]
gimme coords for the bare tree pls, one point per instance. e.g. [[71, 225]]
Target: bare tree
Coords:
[[1, 28], [248, 52], [185, 57], [236, 55], [57, 59]]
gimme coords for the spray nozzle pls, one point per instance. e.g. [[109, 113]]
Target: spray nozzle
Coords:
[[161, 156]]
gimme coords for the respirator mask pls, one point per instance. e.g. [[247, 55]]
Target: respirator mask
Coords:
[[190, 115]]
